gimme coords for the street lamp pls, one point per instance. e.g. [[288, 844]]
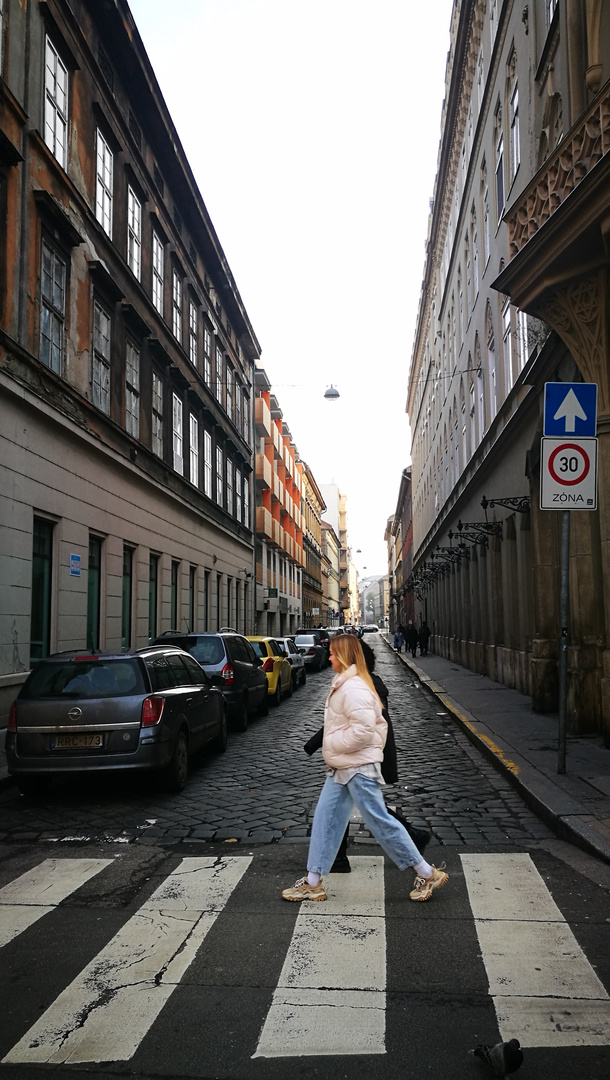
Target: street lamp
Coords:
[[331, 393]]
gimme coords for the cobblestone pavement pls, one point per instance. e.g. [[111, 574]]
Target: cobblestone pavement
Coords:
[[264, 789]]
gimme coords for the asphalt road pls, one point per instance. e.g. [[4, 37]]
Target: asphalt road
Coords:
[[143, 934]]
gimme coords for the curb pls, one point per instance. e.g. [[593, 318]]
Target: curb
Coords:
[[564, 818]]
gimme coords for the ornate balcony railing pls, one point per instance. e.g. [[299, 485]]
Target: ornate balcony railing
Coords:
[[576, 154]]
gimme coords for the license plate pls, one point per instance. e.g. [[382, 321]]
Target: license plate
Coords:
[[77, 742]]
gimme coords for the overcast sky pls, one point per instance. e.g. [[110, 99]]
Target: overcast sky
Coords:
[[312, 128]]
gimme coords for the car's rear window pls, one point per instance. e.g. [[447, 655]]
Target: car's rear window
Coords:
[[73, 679], [206, 650], [305, 639], [260, 648]]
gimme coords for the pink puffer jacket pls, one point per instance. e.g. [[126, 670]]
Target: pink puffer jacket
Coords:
[[354, 729]]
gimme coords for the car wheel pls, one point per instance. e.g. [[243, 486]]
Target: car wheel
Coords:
[[303, 676], [263, 709], [178, 768], [220, 742], [33, 785], [240, 722], [277, 697]]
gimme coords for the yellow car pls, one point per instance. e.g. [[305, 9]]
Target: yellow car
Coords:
[[276, 667]]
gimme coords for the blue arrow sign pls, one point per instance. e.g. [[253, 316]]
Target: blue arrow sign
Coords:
[[570, 409]]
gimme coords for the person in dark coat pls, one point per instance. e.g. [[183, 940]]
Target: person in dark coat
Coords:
[[424, 637], [389, 768], [398, 640], [411, 638]]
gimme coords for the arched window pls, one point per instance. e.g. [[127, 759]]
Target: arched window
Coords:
[[491, 363]]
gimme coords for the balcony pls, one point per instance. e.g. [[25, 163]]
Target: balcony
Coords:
[[262, 417], [263, 472], [277, 443], [264, 523], [278, 489], [276, 534]]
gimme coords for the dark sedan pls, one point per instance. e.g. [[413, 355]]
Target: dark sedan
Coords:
[[147, 709]]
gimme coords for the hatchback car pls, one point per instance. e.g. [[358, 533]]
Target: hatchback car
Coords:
[[314, 654], [231, 663], [147, 709], [321, 635], [276, 666], [295, 659]]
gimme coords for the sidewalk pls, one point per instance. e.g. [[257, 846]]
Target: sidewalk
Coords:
[[523, 745]]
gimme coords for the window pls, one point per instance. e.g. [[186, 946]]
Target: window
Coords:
[[157, 415], [219, 477], [55, 103], [173, 595], [176, 306], [480, 80], [53, 307], [486, 248], [499, 165], [93, 592], [132, 390], [134, 232], [206, 599], [246, 417], [127, 595], [207, 464], [40, 618], [229, 486], [237, 406], [475, 264], [229, 397], [522, 339], [473, 422], [193, 333], [207, 356], [101, 358], [507, 345], [194, 450], [153, 596], [157, 272], [238, 499], [515, 152], [246, 502], [491, 367], [218, 373], [551, 6], [178, 438], [468, 284], [103, 183], [480, 403]]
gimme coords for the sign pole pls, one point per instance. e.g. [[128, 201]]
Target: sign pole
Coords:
[[564, 615]]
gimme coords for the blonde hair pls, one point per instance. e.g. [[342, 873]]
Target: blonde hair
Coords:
[[347, 649]]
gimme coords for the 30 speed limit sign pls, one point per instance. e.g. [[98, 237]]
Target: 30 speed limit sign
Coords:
[[568, 474]]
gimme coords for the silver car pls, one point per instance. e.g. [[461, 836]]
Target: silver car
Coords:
[[313, 653], [292, 653], [147, 709]]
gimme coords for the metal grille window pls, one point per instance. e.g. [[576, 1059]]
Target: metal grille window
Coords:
[[55, 103], [207, 356], [40, 616], [194, 450], [178, 438], [176, 306], [134, 232], [192, 598], [193, 333], [515, 149], [157, 273], [126, 598], [103, 183], [94, 585], [157, 415], [153, 596], [207, 464], [174, 578], [238, 498], [101, 358], [229, 397], [132, 390], [229, 486], [219, 373], [219, 477], [52, 309]]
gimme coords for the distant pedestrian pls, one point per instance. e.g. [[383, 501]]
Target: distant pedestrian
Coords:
[[398, 641], [354, 738], [424, 637], [411, 638]]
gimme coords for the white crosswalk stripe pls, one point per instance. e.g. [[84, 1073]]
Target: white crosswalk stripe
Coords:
[[105, 1013], [338, 944], [40, 890], [544, 989]]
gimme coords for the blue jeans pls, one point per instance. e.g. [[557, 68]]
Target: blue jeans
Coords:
[[332, 815]]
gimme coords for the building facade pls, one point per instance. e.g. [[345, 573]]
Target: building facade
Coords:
[[280, 556], [331, 549], [515, 295], [126, 355], [313, 509], [337, 516], [402, 606]]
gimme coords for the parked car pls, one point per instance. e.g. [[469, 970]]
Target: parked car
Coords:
[[79, 712], [296, 659], [371, 628], [322, 637], [230, 662], [276, 666], [313, 653]]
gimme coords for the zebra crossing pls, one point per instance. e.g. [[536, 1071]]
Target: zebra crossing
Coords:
[[330, 996]]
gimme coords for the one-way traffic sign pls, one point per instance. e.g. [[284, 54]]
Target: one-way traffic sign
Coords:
[[570, 409]]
